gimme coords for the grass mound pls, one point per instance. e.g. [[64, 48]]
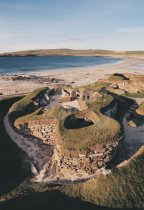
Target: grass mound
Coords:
[[97, 86], [101, 129], [104, 130], [25, 105], [117, 77]]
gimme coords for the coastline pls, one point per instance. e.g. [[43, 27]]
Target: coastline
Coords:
[[75, 77], [63, 69]]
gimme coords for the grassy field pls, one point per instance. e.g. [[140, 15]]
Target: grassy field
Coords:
[[105, 130]]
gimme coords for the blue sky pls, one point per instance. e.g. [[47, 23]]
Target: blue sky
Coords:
[[78, 24]]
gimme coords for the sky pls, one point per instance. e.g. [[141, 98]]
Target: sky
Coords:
[[75, 24]]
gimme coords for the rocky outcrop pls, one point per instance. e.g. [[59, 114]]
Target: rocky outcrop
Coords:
[[78, 93], [129, 83], [116, 90], [79, 105], [33, 78], [44, 98], [132, 86]]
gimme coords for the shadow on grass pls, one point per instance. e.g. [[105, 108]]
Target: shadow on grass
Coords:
[[53, 200]]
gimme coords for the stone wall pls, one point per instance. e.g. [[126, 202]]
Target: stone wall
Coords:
[[131, 86], [69, 164], [83, 164]]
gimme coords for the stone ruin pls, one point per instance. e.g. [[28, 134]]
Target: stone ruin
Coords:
[[131, 83], [66, 164], [76, 164]]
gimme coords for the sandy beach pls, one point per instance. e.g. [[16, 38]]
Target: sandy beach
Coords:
[[74, 77]]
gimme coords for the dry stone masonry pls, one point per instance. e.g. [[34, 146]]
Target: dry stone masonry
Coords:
[[42, 141]]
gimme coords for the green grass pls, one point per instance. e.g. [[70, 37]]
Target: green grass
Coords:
[[104, 131], [140, 111], [97, 105], [32, 116], [135, 95], [25, 105], [141, 106], [107, 129], [116, 78], [97, 86]]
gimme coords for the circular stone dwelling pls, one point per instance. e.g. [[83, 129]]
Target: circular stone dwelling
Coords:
[[67, 137]]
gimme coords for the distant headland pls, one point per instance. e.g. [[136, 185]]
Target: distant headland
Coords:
[[73, 52]]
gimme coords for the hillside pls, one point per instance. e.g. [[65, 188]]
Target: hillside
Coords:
[[72, 52]]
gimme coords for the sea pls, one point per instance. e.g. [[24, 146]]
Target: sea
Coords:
[[11, 65]]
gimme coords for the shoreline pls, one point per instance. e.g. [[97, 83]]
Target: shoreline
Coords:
[[118, 60], [75, 77]]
